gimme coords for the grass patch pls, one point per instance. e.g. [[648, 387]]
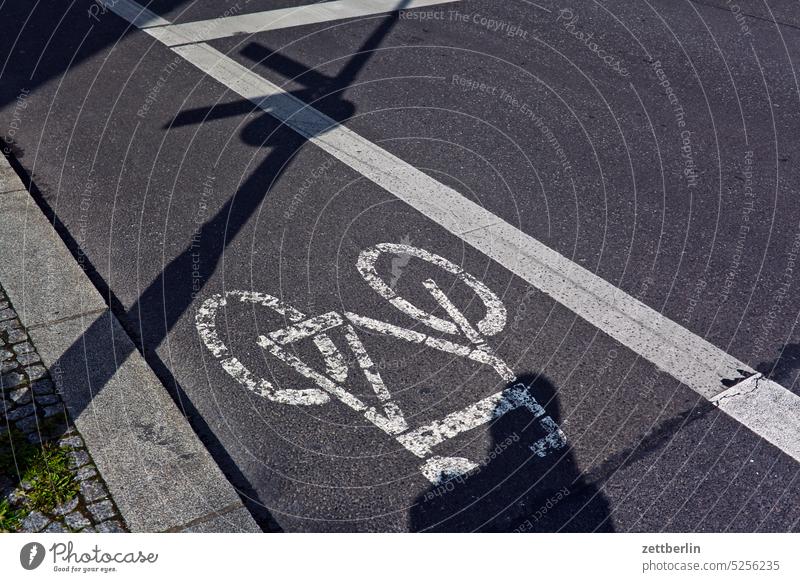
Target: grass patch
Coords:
[[49, 480], [10, 517]]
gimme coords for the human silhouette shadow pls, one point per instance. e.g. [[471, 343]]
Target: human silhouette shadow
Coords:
[[513, 489], [784, 368]]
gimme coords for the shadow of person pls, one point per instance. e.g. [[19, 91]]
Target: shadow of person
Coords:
[[785, 368], [513, 489]]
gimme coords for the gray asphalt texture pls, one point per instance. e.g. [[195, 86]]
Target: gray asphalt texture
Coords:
[[132, 150]]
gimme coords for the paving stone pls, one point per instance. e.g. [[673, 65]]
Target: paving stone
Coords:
[[66, 507], [21, 396], [89, 529], [5, 482], [35, 521], [42, 387], [10, 325], [93, 490], [5, 354], [78, 459], [7, 314], [12, 380], [23, 348], [74, 442], [3, 304], [85, 473], [35, 372], [56, 427], [56, 527], [76, 521], [16, 497], [20, 412], [16, 335], [8, 365], [35, 438], [46, 399], [28, 359], [110, 527], [52, 410], [28, 424], [6, 487], [102, 510]]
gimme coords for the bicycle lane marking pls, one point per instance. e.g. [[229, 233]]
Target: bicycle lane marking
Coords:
[[420, 441], [688, 358]]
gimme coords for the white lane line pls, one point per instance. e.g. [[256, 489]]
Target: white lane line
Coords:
[[673, 349], [203, 30]]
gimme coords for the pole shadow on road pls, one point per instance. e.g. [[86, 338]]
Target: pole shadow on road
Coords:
[[171, 294], [513, 490]]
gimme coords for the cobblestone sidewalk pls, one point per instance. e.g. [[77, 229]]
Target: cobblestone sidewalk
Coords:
[[48, 482]]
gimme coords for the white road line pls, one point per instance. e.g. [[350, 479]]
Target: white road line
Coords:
[[203, 30], [763, 403], [673, 349]]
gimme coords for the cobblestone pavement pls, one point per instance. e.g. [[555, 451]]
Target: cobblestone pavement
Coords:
[[48, 482]]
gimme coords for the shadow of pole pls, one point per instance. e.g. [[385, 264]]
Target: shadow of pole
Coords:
[[162, 304]]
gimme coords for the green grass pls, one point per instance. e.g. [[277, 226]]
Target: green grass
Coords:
[[10, 517], [45, 468], [51, 478]]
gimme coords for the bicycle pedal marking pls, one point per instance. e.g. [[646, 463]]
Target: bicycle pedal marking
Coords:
[[387, 416]]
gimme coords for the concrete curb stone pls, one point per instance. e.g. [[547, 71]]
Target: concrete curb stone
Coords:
[[159, 474]]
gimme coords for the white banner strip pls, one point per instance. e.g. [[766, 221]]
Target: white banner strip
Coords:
[[393, 557]]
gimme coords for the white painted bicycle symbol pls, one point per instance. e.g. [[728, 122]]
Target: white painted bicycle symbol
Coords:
[[388, 417]]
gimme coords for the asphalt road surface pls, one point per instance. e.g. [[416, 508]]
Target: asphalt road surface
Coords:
[[503, 266]]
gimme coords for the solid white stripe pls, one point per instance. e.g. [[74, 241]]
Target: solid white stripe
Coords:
[[203, 30], [769, 406], [687, 357]]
